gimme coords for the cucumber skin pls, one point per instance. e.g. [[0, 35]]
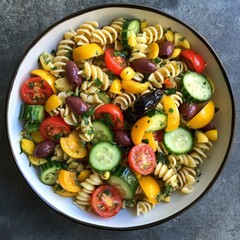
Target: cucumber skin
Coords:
[[154, 116], [105, 127], [32, 113]]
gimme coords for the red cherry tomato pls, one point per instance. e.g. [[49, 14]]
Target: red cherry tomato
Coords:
[[54, 128], [142, 159], [115, 61], [106, 201], [158, 135], [36, 91], [111, 114], [194, 61]]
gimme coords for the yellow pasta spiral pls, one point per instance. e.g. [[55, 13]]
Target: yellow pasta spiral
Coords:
[[144, 206], [153, 33]]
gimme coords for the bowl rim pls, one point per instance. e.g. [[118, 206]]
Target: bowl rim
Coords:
[[149, 9]]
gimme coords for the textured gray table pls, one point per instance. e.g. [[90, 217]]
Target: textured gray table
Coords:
[[24, 216]]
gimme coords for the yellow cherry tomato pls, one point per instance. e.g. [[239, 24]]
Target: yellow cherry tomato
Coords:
[[86, 51], [150, 187], [46, 76], [53, 102], [139, 129], [62, 192], [67, 180], [153, 50], [203, 118], [201, 137], [27, 146], [73, 146], [116, 86], [84, 174], [172, 112], [176, 52], [212, 134], [127, 73], [150, 140], [36, 161]]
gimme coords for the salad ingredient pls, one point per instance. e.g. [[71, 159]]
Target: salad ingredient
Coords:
[[188, 110], [166, 50], [127, 74], [134, 87], [27, 146], [102, 132], [115, 61], [203, 118], [46, 60], [153, 50], [53, 128], [116, 86], [106, 201], [111, 114], [122, 138], [159, 121], [32, 113], [76, 105], [72, 75], [36, 161], [104, 156], [148, 138], [181, 41], [62, 192], [44, 148], [212, 135], [195, 87], [52, 103], [68, 180], [194, 61], [144, 65], [178, 141], [125, 181], [142, 159], [147, 101], [36, 91], [131, 116]]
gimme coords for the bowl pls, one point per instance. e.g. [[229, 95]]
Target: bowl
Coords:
[[224, 119]]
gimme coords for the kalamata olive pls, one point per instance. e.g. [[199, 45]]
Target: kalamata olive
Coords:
[[144, 65], [208, 127], [44, 148], [147, 101], [72, 74], [122, 138], [131, 116], [188, 110], [166, 50], [76, 105]]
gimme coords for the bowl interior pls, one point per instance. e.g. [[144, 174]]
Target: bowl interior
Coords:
[[223, 119]]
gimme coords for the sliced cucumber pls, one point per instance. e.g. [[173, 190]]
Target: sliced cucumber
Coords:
[[104, 97], [130, 28], [31, 126], [125, 181], [159, 121], [49, 172], [104, 156], [195, 87], [178, 141], [102, 132], [32, 113]]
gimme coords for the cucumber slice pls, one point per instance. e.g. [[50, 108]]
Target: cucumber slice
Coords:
[[31, 126], [32, 113], [49, 172], [104, 97], [125, 181], [102, 132], [195, 87], [159, 121], [178, 141], [104, 156], [130, 28]]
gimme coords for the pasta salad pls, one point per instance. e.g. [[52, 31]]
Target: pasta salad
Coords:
[[118, 116]]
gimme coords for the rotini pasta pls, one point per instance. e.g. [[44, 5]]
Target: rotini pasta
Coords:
[[144, 206]]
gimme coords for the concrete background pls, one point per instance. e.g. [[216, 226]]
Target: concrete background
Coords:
[[24, 216]]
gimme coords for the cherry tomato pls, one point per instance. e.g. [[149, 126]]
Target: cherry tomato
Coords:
[[54, 128], [36, 91], [142, 159], [193, 60], [111, 114], [158, 135], [115, 61], [106, 201]]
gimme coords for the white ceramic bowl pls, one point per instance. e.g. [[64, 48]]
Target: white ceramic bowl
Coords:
[[224, 119]]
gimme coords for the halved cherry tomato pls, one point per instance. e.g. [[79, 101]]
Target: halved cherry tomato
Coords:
[[158, 135], [142, 159], [115, 61], [106, 201], [194, 61], [36, 91], [54, 128], [111, 114]]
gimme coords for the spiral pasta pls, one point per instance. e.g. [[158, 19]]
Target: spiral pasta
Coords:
[[153, 33], [144, 206], [86, 130], [125, 100]]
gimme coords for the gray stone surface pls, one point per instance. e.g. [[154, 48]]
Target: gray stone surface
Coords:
[[24, 216]]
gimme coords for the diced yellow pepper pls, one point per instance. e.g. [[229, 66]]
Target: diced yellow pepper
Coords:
[[180, 40], [201, 137], [153, 50], [135, 87], [132, 40], [127, 73], [27, 146], [212, 134], [176, 52], [169, 35], [116, 86], [36, 161], [150, 139], [84, 174], [36, 136], [53, 102]]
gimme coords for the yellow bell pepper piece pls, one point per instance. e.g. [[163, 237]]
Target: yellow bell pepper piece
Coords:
[[116, 86], [172, 112], [180, 40], [153, 50], [53, 102], [201, 137], [212, 134], [127, 73], [86, 51], [150, 187], [203, 118], [46, 60], [36, 136], [27, 146], [139, 129], [132, 40], [169, 35], [63, 192], [134, 87], [73, 146], [176, 52], [36, 161], [150, 138], [46, 76], [84, 175]]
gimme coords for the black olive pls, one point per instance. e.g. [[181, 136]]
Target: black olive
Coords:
[[147, 101], [131, 116]]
